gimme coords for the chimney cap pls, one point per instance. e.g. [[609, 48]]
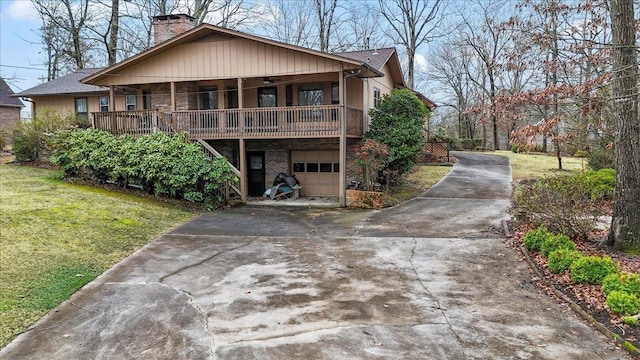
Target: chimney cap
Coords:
[[173, 17]]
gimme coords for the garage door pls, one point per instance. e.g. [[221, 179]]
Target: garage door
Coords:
[[318, 172]]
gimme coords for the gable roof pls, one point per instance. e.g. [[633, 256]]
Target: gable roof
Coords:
[[66, 85], [207, 29], [5, 96], [377, 58]]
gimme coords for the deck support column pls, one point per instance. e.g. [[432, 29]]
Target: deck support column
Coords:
[[244, 188], [342, 95], [173, 96]]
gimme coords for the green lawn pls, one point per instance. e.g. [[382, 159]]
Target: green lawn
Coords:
[[526, 166], [55, 237], [419, 180]]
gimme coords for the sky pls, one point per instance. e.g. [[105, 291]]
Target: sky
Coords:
[[21, 62], [21, 58]]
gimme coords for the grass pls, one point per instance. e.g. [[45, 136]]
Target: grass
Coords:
[[418, 181], [529, 166], [55, 237]]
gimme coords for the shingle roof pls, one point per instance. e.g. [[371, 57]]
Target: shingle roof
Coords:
[[68, 84], [375, 58], [5, 96]]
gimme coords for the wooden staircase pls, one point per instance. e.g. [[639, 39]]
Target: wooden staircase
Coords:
[[233, 194]]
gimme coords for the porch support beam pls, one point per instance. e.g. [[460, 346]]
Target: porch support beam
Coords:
[[244, 188], [240, 94], [173, 96], [112, 98], [342, 94]]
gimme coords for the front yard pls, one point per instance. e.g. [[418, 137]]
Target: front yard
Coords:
[[55, 237]]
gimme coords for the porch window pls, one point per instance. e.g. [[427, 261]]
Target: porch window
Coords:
[[146, 99], [376, 96], [208, 99], [309, 95], [268, 97], [104, 103], [130, 102], [81, 108], [335, 93]]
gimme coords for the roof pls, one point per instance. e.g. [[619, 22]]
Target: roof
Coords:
[[5, 96], [375, 58], [378, 58], [204, 29], [66, 85]]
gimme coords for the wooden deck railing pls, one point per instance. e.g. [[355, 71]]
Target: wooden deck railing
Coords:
[[276, 122]]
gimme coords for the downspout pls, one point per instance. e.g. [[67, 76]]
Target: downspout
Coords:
[[343, 139]]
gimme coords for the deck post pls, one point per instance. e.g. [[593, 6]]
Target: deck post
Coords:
[[342, 184], [173, 96], [244, 188]]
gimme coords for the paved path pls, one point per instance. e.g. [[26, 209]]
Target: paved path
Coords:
[[430, 279]]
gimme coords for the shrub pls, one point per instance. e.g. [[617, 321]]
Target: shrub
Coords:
[[164, 165], [33, 139], [561, 259], [556, 242], [622, 303], [372, 156], [631, 320], [4, 139], [563, 203], [601, 157], [398, 122], [515, 149], [534, 238], [601, 183], [592, 269], [622, 281]]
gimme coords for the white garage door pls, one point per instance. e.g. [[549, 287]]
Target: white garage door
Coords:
[[318, 172]]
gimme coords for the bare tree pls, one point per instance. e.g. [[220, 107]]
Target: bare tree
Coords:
[[412, 23], [325, 12], [362, 28], [449, 69], [289, 22], [625, 225]]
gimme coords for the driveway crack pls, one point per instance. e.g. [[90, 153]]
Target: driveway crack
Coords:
[[442, 311], [204, 260]]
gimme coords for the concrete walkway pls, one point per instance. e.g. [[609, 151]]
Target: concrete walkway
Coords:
[[430, 279]]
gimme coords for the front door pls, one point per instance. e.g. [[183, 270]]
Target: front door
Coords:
[[255, 173]]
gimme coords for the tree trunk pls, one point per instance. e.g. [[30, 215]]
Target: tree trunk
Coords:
[[113, 32], [625, 225]]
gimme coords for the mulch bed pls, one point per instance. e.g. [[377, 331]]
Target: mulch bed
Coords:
[[589, 297]]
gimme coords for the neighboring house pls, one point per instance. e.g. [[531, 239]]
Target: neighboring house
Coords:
[[9, 109], [268, 107], [67, 95]]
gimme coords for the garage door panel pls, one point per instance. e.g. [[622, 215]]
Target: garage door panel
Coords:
[[322, 180]]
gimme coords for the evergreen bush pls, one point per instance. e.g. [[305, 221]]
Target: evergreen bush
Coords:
[[592, 269], [561, 259]]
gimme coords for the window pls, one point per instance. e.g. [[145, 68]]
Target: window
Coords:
[[312, 167], [130, 102], [376, 97], [146, 100], [335, 93], [298, 167], [208, 99], [288, 95], [326, 167], [104, 103], [309, 95], [81, 108], [268, 97]]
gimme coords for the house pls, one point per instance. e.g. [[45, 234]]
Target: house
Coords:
[[268, 107], [9, 109], [67, 95]]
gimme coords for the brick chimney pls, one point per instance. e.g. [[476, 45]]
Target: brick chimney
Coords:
[[167, 26]]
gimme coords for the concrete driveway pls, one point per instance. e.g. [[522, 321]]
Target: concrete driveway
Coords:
[[430, 279]]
